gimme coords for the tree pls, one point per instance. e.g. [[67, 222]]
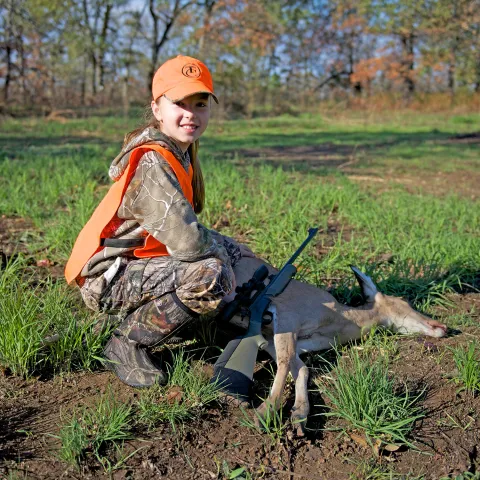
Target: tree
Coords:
[[164, 15], [96, 13]]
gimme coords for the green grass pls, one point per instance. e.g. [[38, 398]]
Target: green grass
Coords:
[[223, 469], [467, 363], [374, 470], [463, 319], [398, 141], [32, 312], [55, 173], [187, 393], [362, 393], [463, 476], [271, 424], [379, 341], [92, 430]]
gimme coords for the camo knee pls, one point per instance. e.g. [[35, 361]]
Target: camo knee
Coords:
[[156, 320], [204, 284]]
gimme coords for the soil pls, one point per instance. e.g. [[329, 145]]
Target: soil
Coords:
[[447, 438]]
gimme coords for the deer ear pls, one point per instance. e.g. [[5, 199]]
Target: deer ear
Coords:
[[369, 289]]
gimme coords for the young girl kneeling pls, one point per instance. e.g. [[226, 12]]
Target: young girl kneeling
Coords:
[[143, 254]]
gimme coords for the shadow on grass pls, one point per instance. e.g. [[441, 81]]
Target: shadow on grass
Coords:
[[324, 152], [61, 146]]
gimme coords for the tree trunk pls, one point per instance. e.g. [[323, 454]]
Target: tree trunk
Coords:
[[83, 85], [93, 58], [477, 76], [92, 33], [408, 42], [8, 74], [202, 48], [23, 69], [103, 44], [153, 51], [157, 44], [357, 86], [125, 97], [8, 51]]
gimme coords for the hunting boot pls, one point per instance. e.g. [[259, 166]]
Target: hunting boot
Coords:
[[149, 325]]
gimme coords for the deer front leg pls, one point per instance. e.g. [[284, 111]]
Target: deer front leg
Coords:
[[301, 408], [285, 344]]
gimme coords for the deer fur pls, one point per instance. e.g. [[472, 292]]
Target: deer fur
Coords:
[[310, 319]]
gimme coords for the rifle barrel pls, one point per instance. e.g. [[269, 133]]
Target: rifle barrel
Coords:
[[311, 233]]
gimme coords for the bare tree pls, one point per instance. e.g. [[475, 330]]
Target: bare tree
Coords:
[[208, 6], [95, 13], [128, 55], [163, 19], [9, 44]]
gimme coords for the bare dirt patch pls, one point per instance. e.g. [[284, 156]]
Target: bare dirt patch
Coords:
[[347, 159], [14, 234], [462, 183], [309, 156]]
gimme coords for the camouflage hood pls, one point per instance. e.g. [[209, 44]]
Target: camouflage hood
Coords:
[[148, 136]]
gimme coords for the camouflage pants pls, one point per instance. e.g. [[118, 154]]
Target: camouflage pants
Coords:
[[158, 295]]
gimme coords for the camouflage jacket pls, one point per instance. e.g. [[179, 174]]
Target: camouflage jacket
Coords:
[[154, 202]]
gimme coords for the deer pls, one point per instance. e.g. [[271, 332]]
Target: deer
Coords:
[[307, 319]]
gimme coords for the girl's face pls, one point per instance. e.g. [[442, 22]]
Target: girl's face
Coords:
[[183, 121]]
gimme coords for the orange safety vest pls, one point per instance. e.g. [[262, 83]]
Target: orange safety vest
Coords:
[[104, 221]]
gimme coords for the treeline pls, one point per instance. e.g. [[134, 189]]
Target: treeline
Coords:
[[267, 56]]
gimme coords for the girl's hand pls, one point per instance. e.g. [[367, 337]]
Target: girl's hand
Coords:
[[245, 251]]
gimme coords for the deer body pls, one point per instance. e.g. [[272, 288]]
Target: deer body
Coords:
[[310, 319]]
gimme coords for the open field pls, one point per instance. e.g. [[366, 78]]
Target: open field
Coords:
[[397, 195]]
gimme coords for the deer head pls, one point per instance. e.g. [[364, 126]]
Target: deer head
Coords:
[[396, 313]]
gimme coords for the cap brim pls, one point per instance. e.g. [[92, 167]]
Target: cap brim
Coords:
[[185, 90]]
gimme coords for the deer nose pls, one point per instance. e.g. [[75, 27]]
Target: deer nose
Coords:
[[435, 324], [439, 329]]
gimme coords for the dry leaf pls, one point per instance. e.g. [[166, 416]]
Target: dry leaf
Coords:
[[390, 447], [380, 446], [359, 440], [175, 395]]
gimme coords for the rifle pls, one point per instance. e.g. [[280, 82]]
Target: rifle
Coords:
[[233, 371]]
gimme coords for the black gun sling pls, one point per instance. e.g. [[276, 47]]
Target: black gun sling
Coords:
[[122, 242]]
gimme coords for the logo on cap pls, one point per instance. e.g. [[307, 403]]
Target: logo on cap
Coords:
[[190, 70]]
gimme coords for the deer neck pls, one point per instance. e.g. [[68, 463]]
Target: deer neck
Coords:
[[365, 316]]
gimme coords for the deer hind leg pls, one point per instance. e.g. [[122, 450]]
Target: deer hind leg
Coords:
[[285, 344], [301, 408]]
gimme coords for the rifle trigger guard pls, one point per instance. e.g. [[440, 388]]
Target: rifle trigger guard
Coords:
[[269, 315]]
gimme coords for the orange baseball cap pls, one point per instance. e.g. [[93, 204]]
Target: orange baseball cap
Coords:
[[181, 77]]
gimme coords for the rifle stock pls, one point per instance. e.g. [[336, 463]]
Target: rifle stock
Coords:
[[234, 368], [233, 371]]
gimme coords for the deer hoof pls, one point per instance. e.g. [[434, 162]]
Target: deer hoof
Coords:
[[300, 430], [298, 421], [260, 413]]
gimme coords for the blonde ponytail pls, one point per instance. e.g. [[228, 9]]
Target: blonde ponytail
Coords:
[[198, 184]]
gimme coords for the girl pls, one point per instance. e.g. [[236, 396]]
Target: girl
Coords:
[[143, 254]]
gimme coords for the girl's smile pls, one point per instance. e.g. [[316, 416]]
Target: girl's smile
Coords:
[[185, 120]]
